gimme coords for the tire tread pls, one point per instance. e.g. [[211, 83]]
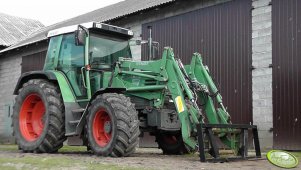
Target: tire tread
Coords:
[[55, 135], [127, 124]]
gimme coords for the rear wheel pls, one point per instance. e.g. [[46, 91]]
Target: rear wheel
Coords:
[[171, 143], [112, 127], [38, 118]]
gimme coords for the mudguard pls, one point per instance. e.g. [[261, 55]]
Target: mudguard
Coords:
[[33, 75], [53, 76]]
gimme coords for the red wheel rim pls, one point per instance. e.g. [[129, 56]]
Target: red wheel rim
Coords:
[[31, 118], [102, 128], [170, 139]]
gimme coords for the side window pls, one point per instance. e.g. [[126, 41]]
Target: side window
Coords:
[[70, 61], [53, 50], [70, 54]]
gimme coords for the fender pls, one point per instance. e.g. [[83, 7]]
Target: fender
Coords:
[[53, 76], [107, 90], [48, 75]]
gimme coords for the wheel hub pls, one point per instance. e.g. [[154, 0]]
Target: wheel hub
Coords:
[[32, 117], [102, 128], [108, 127]]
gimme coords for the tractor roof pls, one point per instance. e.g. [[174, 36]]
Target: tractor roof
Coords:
[[91, 25]]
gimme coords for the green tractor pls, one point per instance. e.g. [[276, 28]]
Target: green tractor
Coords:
[[91, 88]]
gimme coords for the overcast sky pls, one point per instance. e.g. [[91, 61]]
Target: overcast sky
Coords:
[[51, 11]]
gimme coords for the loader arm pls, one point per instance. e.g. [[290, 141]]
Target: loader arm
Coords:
[[199, 74], [186, 87], [208, 93]]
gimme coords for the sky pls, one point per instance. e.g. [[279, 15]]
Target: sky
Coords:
[[51, 11]]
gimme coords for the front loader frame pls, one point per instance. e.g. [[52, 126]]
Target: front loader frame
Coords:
[[207, 129], [186, 84]]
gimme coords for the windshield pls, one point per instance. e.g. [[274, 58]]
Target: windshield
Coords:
[[104, 51]]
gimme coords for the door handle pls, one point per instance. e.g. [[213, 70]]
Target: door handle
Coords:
[[83, 77]]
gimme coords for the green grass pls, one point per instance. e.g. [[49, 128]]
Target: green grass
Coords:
[[36, 161], [64, 149], [30, 162], [73, 149], [8, 148]]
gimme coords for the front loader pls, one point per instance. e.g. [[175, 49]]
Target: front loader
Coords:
[[91, 88]]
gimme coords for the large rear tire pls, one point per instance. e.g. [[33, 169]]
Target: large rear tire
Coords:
[[112, 127], [171, 143], [38, 117]]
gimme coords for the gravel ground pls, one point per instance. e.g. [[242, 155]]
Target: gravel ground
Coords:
[[142, 159]]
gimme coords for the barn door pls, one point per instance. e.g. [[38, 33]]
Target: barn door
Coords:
[[286, 30], [222, 34]]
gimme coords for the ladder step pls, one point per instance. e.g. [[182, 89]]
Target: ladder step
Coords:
[[80, 110], [74, 121], [70, 134]]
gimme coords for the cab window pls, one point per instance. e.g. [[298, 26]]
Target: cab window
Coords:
[[104, 51], [70, 61]]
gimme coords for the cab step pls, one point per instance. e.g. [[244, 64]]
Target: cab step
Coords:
[[76, 111], [74, 122]]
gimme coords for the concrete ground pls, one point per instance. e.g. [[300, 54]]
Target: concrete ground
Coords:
[[78, 158]]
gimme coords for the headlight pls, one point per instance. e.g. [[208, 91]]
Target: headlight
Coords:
[[130, 32], [98, 25]]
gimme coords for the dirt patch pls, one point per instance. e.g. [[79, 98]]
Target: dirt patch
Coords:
[[142, 159]]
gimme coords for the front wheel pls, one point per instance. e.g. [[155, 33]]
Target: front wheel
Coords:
[[112, 127]]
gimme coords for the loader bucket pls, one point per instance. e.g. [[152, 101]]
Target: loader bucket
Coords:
[[205, 131]]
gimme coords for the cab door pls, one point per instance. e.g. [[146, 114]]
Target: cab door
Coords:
[[71, 60]]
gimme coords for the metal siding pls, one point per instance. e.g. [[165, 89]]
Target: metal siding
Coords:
[[33, 62], [286, 35], [222, 34]]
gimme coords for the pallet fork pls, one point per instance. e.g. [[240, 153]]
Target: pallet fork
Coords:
[[206, 130]]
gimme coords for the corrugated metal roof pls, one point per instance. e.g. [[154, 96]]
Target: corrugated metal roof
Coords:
[[14, 29], [108, 13]]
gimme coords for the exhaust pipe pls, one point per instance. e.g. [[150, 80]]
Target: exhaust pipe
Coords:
[[150, 44]]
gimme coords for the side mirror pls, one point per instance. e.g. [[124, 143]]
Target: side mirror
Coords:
[[137, 42], [155, 51], [80, 37], [133, 42]]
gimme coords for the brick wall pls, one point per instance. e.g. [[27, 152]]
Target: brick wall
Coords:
[[262, 73], [10, 71]]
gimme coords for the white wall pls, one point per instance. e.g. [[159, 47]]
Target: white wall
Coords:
[[262, 73]]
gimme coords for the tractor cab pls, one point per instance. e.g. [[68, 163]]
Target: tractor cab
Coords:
[[84, 52]]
